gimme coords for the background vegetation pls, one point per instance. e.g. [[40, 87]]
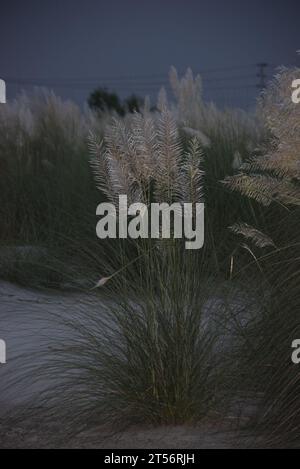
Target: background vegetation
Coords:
[[176, 351]]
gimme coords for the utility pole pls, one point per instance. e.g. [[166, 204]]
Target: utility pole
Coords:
[[261, 75]]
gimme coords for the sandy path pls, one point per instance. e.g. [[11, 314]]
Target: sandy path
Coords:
[[26, 325]]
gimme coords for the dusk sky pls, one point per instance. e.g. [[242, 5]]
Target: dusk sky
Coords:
[[129, 45]]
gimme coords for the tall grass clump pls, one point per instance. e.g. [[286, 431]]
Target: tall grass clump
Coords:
[[273, 181], [228, 138], [156, 356], [219, 140], [145, 158], [162, 358], [45, 178], [48, 197]]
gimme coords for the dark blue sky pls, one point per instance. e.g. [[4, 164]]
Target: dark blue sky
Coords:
[[129, 45]]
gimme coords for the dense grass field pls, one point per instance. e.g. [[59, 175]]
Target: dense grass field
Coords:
[[187, 333]]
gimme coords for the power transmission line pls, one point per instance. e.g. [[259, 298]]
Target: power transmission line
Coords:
[[141, 82], [120, 77], [262, 75], [219, 82]]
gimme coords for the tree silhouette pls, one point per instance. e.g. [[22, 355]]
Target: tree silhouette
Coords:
[[102, 100]]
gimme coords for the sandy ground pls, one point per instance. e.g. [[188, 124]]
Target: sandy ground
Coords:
[[181, 437], [25, 330]]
